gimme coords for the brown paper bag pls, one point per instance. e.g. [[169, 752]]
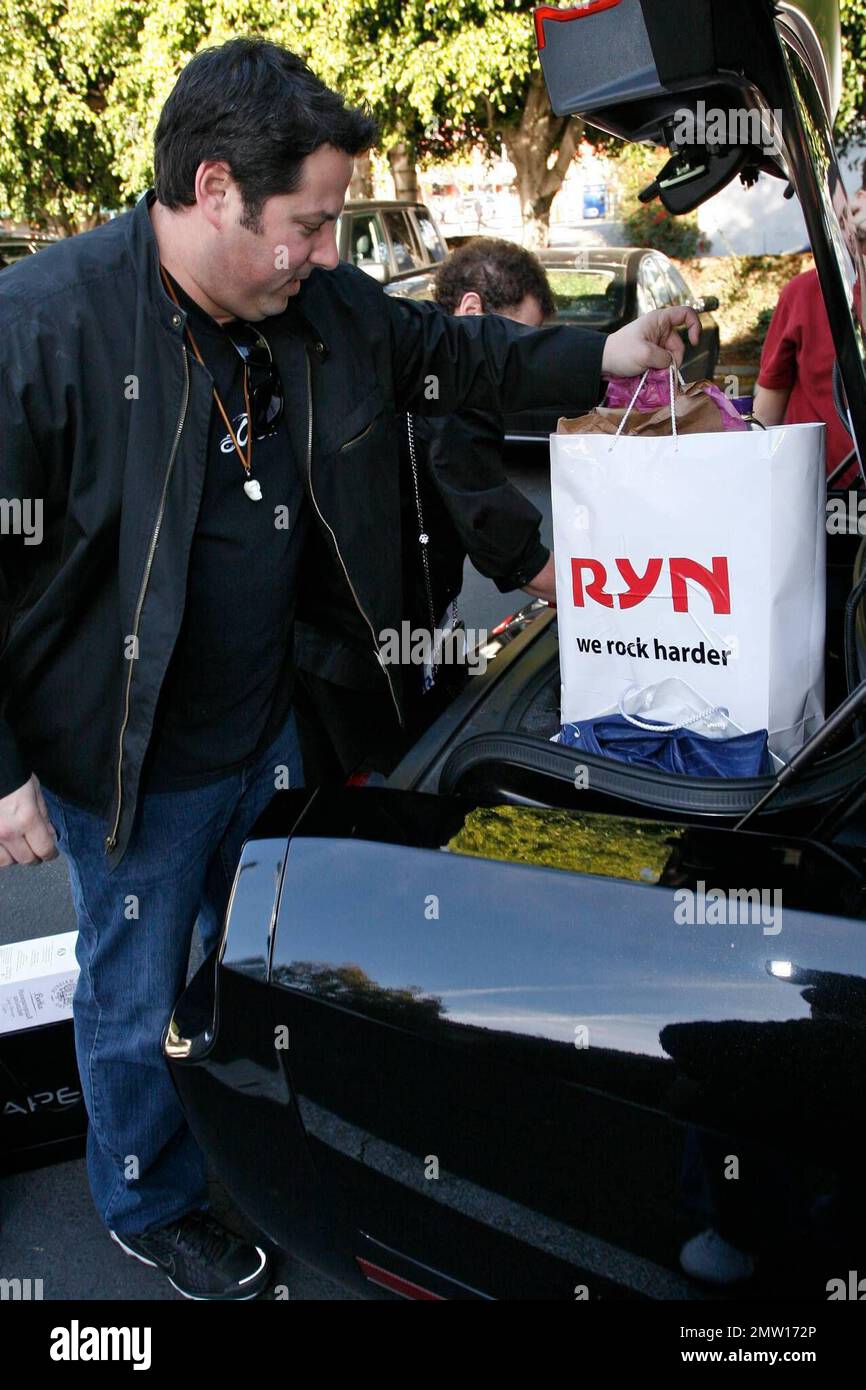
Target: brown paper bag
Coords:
[[696, 412]]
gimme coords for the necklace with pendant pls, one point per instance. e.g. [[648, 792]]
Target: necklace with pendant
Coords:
[[252, 486]]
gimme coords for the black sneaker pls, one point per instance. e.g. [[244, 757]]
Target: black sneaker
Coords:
[[201, 1258]]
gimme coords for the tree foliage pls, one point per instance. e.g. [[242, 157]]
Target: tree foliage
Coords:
[[851, 119], [82, 83], [455, 73], [58, 60]]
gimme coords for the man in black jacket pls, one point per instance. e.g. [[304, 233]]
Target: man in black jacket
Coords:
[[189, 393], [455, 501]]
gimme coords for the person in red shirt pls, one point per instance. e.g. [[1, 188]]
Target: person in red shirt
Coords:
[[858, 210], [795, 381]]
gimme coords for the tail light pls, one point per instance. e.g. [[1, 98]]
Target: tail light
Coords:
[[563, 16], [395, 1283]]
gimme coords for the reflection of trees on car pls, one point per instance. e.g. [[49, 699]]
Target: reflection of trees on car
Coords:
[[351, 987]]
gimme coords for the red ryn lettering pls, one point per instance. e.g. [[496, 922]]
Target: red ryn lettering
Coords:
[[683, 572]]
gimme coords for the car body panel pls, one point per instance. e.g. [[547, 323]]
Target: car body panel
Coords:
[[16, 248]]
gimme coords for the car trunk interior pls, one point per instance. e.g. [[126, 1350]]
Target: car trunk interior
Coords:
[[494, 744], [500, 747]]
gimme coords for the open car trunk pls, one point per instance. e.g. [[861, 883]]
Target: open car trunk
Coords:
[[634, 67], [641, 68], [493, 743]]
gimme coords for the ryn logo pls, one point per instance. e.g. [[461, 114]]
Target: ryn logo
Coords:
[[714, 580]]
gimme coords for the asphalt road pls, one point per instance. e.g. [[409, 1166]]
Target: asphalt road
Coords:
[[49, 1229]]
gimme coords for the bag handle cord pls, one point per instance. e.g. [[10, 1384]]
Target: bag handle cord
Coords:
[[675, 377]]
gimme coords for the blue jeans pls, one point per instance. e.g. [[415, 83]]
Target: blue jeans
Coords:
[[134, 931]]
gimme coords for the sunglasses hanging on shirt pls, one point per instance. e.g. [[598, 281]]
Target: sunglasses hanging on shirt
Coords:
[[265, 389]]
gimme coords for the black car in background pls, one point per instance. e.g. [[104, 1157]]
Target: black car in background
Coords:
[[459, 1040], [401, 246], [604, 288]]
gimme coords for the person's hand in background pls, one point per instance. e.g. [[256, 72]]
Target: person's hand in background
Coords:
[[650, 341], [544, 583], [26, 833]]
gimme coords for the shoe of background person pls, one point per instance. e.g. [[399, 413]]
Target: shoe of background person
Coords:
[[715, 1261], [201, 1258]]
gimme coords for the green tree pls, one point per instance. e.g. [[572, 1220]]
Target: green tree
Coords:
[[441, 74], [171, 32], [57, 63], [437, 74], [82, 83], [851, 118]]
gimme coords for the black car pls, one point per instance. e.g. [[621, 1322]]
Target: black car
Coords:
[[460, 1040], [604, 288], [458, 1043]]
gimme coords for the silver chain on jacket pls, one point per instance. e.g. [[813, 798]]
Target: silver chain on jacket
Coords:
[[423, 542]]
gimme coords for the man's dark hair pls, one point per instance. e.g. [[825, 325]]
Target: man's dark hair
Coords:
[[258, 107], [501, 274]]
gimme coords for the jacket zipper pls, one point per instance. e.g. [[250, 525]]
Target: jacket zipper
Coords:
[[111, 839], [334, 538], [357, 438]]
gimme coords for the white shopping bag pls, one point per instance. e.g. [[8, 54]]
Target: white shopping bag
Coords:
[[697, 556]]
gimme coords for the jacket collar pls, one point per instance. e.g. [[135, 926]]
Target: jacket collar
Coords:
[[144, 251]]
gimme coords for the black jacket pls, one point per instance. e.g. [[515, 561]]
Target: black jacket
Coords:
[[468, 507], [104, 419]]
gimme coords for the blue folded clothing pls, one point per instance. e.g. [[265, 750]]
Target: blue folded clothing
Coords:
[[695, 755]]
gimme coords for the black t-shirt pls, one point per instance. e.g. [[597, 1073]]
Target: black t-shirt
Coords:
[[228, 687]]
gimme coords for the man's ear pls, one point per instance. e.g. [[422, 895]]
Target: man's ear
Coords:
[[213, 183], [470, 304]]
